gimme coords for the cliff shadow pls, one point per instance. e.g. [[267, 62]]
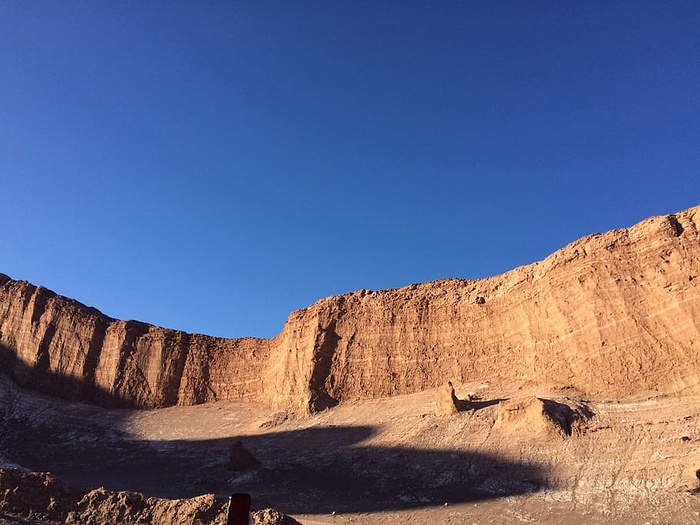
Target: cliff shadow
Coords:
[[38, 378], [309, 471], [319, 469], [323, 470], [300, 471]]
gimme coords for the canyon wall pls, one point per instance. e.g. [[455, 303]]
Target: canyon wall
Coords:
[[612, 314], [62, 347]]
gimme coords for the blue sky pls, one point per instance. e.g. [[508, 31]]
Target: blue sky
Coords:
[[212, 166]]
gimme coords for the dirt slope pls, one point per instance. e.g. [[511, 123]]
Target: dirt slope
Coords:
[[611, 314]]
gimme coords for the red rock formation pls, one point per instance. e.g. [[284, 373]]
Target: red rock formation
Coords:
[[62, 347], [612, 314]]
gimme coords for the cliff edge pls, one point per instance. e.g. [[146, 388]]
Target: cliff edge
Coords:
[[611, 314]]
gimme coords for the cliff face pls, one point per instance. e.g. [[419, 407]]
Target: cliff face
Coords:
[[611, 314], [61, 347]]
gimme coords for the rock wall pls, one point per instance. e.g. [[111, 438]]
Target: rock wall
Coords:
[[611, 314], [64, 348]]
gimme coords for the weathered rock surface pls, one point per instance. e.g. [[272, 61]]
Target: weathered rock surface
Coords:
[[40, 496], [541, 417], [611, 314], [446, 402], [271, 517], [62, 347]]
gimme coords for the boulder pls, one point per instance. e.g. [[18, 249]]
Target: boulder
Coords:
[[240, 457]]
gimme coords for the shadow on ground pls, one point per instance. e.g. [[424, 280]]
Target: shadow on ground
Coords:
[[306, 471], [321, 470], [464, 405]]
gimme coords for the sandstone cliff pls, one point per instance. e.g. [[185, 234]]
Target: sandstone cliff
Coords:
[[62, 347], [612, 314]]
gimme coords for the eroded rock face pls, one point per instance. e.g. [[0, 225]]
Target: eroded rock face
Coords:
[[40, 496], [64, 348], [612, 314], [544, 418]]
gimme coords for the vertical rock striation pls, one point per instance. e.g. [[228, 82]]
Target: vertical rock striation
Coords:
[[611, 314], [64, 348]]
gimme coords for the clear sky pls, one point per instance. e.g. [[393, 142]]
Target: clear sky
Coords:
[[212, 166]]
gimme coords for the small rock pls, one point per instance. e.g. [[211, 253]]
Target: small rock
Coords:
[[240, 457], [271, 517]]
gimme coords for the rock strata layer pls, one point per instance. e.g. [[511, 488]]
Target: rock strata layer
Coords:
[[611, 314]]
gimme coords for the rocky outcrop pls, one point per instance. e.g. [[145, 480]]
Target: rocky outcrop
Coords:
[[446, 402], [544, 418], [271, 517], [40, 496], [611, 314]]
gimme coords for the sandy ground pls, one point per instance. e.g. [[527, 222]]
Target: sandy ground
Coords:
[[390, 461]]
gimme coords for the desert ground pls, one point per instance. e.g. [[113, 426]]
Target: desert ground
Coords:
[[500, 459]]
